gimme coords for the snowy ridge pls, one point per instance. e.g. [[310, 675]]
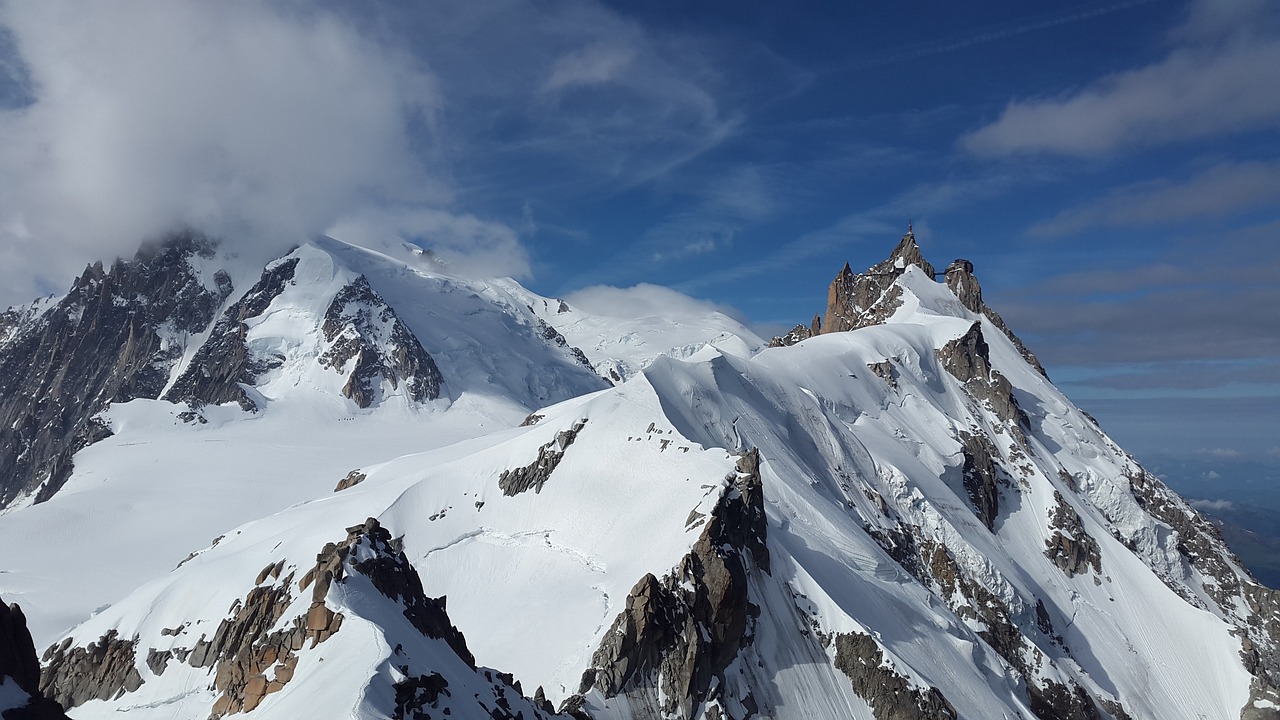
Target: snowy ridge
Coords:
[[905, 520], [619, 347]]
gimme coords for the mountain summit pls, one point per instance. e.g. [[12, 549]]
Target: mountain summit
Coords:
[[897, 516]]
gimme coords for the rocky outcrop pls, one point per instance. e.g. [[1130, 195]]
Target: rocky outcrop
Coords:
[[798, 333], [1019, 631], [102, 670], [19, 666], [1252, 608], [371, 551], [224, 362], [353, 478], [886, 372], [858, 300], [534, 475], [669, 649], [553, 335], [1072, 549], [113, 337], [366, 334], [960, 279], [981, 476], [968, 359], [17, 651], [891, 695]]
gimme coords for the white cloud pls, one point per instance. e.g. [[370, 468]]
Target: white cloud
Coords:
[[463, 243], [643, 300], [1221, 189], [244, 119], [1220, 80], [1213, 506], [595, 64]]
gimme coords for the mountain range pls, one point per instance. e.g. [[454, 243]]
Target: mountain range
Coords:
[[350, 483]]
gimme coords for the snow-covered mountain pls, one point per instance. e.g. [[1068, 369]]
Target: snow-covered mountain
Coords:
[[891, 514]]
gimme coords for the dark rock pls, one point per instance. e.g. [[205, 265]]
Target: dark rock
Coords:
[[960, 278], [20, 666], [796, 334], [856, 301], [224, 362], [670, 647], [1055, 701], [886, 372], [981, 476], [353, 478], [1072, 549], [968, 359], [158, 660], [113, 337], [890, 694], [103, 670], [1224, 579], [540, 701], [392, 575], [416, 693], [17, 652], [362, 327], [553, 335], [535, 475]]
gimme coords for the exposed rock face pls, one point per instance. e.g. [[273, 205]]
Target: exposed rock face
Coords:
[[554, 335], [796, 334], [1019, 631], [981, 477], [102, 670], [886, 372], [19, 666], [371, 551], [855, 301], [960, 278], [968, 359], [224, 361], [890, 694], [364, 329], [1072, 549], [669, 649], [1231, 592], [113, 337], [535, 475], [17, 651], [353, 478]]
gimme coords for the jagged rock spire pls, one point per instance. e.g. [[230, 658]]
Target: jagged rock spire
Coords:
[[855, 301]]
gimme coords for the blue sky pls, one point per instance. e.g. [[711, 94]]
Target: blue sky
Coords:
[[1111, 168]]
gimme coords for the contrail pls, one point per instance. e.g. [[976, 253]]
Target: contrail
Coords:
[[993, 35]]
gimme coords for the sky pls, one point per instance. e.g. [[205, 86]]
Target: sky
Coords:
[[1112, 169]]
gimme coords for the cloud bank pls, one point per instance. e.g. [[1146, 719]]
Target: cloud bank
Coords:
[[259, 122]]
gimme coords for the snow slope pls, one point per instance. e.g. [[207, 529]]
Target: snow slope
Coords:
[[163, 485], [619, 347], [914, 501]]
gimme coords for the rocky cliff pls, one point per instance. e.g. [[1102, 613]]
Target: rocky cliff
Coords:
[[20, 667], [113, 337]]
